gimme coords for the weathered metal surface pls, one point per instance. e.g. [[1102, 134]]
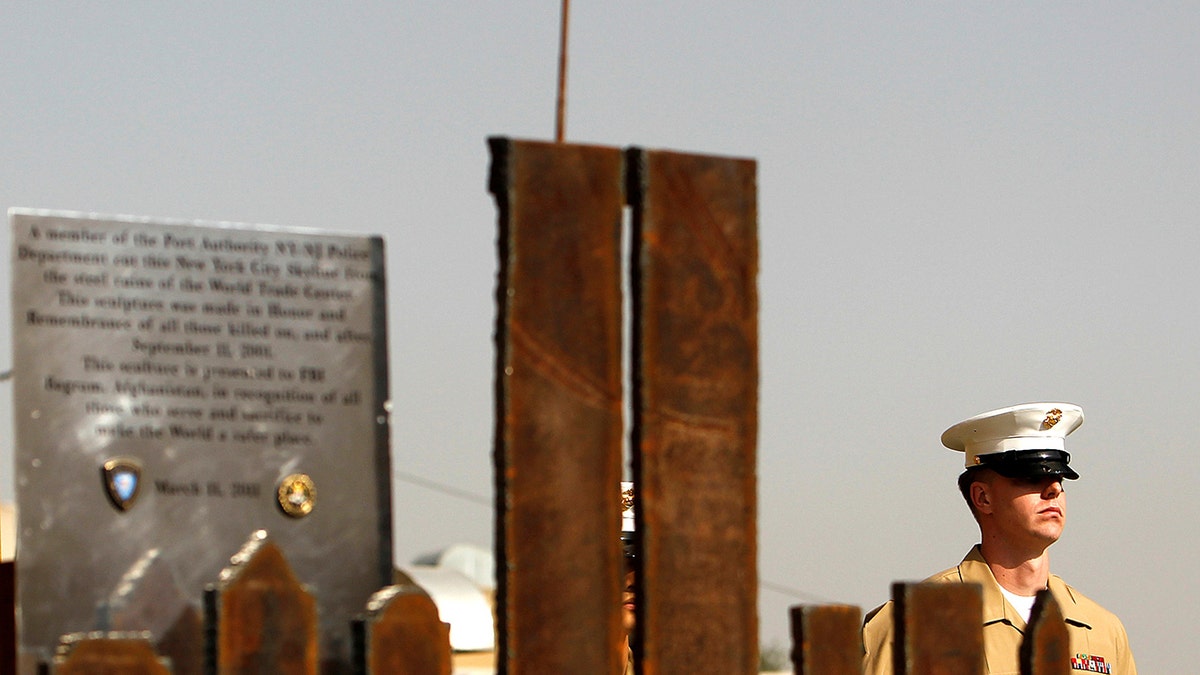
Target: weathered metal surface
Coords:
[[108, 653], [403, 635], [826, 640], [558, 406], [147, 599], [8, 618], [265, 622], [938, 629], [695, 407], [179, 643], [215, 360], [1046, 649]]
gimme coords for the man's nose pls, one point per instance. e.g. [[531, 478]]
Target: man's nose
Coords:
[[1053, 489]]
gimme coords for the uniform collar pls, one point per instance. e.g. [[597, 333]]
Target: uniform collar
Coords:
[[974, 569]]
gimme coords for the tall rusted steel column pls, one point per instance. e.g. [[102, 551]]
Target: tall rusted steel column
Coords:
[[826, 640], [937, 629], [695, 410], [1046, 647], [558, 406]]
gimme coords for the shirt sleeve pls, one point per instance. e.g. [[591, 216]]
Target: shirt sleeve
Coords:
[[877, 641]]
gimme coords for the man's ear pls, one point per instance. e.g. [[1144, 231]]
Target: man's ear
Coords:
[[980, 497]]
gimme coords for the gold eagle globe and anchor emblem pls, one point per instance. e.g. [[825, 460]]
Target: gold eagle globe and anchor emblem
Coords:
[[297, 495], [122, 481]]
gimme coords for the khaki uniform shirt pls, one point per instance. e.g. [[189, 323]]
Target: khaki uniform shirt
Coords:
[[1098, 640]]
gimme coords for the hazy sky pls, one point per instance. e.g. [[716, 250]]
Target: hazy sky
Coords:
[[963, 206]]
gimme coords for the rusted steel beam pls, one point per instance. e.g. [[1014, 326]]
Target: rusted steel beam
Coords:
[[938, 629], [695, 408], [826, 640], [108, 653], [180, 644], [1046, 648], [402, 634], [265, 621], [558, 406]]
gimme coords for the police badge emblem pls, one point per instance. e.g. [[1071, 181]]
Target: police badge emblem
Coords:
[[296, 495], [122, 481]]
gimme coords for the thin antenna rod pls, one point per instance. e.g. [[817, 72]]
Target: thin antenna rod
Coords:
[[560, 117]]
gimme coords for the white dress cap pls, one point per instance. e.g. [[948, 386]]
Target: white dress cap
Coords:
[[1029, 426]]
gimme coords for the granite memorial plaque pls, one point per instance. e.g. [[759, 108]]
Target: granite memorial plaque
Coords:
[[180, 385]]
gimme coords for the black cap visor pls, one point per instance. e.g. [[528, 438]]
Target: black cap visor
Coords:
[[1030, 464]]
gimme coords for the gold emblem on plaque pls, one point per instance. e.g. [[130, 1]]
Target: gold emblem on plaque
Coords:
[[1053, 417], [297, 495]]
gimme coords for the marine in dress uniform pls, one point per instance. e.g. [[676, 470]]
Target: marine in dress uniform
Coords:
[[1015, 464]]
